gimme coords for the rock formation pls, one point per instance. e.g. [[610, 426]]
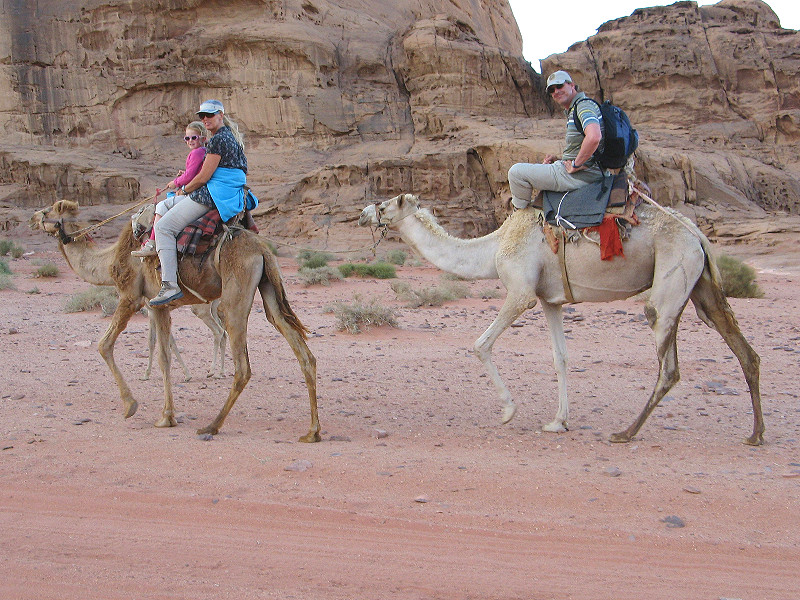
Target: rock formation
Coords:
[[345, 101]]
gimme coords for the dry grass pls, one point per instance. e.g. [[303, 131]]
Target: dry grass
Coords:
[[429, 296], [103, 297], [360, 316]]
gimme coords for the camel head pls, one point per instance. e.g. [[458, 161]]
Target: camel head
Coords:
[[51, 220], [389, 212], [142, 220]]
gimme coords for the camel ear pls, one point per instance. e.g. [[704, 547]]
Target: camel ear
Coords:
[[65, 206]]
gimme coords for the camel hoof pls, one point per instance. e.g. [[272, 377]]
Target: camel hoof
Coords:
[[166, 422], [756, 439], [131, 408], [620, 438], [555, 427], [311, 437], [210, 429], [508, 412]]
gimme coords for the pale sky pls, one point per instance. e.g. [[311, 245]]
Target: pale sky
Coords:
[[549, 30]]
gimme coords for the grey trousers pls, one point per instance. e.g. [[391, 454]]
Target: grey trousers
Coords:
[[523, 178], [169, 228]]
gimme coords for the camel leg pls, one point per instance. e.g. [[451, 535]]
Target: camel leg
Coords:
[[173, 345], [555, 324], [713, 308], [308, 363], [237, 300], [512, 308], [125, 310], [151, 344], [208, 314], [163, 321], [663, 315]]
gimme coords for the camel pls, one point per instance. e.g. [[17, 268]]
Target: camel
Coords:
[[242, 264], [666, 254]]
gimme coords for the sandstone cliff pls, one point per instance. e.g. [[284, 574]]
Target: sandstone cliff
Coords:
[[346, 101]]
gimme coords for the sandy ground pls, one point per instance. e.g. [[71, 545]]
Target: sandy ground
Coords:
[[416, 491]]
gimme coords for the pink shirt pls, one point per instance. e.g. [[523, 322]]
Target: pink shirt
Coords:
[[193, 163]]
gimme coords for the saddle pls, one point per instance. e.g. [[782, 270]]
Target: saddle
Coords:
[[607, 207], [202, 234]]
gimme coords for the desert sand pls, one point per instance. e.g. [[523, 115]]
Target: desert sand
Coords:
[[417, 491]]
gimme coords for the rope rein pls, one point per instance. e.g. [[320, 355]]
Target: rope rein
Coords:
[[82, 232]]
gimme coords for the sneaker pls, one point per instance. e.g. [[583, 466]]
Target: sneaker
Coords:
[[148, 249], [169, 292]]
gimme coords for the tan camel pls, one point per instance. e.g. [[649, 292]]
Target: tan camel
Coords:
[[244, 264], [666, 254]]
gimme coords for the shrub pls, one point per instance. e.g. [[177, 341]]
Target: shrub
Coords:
[[9, 247], [319, 275], [379, 270], [102, 297], [312, 259], [738, 278], [360, 316], [396, 257], [6, 283], [46, 270], [429, 296], [4, 268]]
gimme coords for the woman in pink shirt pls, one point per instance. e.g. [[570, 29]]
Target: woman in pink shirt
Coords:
[[195, 138]]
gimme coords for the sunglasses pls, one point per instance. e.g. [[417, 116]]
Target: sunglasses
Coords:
[[191, 137], [556, 86], [204, 115]]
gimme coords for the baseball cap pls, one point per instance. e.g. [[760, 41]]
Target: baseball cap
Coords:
[[211, 106], [558, 78]]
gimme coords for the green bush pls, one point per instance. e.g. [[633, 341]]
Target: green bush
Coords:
[[360, 316], [378, 270], [738, 278], [46, 270], [429, 296], [102, 297], [6, 283], [319, 275], [312, 259], [396, 257], [4, 268]]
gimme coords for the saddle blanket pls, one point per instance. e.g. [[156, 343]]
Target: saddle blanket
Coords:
[[199, 236]]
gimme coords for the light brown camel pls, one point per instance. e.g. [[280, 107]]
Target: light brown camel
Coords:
[[244, 264], [666, 254]]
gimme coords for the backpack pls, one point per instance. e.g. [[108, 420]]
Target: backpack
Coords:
[[620, 138]]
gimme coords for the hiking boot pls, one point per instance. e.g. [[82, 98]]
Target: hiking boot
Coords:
[[148, 249], [169, 292]]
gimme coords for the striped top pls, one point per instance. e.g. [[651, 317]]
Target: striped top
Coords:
[[587, 112]]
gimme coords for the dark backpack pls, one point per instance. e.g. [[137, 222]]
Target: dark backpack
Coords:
[[620, 138]]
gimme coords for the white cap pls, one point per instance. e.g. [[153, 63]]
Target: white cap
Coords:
[[211, 106], [558, 78]]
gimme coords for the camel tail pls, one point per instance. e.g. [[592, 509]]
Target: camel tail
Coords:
[[272, 277], [712, 278]]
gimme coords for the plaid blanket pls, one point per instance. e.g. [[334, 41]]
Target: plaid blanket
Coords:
[[199, 236]]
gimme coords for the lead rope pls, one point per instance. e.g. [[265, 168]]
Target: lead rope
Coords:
[[85, 230]]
